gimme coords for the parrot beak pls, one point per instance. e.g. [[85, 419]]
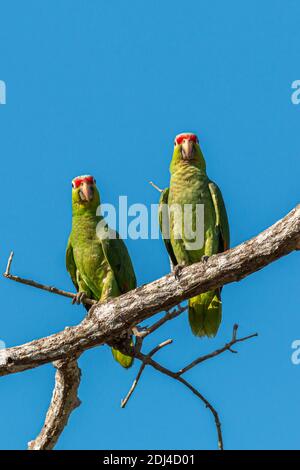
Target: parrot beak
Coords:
[[86, 192], [187, 149]]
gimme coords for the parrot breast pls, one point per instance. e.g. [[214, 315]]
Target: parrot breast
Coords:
[[88, 254], [189, 185]]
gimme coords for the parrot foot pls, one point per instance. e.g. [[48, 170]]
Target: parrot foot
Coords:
[[79, 298], [177, 271], [204, 259]]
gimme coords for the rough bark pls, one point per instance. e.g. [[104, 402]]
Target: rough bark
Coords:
[[64, 401], [108, 320]]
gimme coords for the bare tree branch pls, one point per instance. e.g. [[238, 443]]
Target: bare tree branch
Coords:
[[64, 401], [147, 360], [67, 380], [108, 320], [140, 334], [156, 187], [136, 380], [7, 271], [29, 282], [143, 332], [227, 347]]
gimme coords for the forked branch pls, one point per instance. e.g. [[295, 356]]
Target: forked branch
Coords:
[[147, 360], [108, 320]]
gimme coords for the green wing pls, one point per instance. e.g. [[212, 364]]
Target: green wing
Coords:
[[70, 264], [221, 216], [163, 216], [118, 258]]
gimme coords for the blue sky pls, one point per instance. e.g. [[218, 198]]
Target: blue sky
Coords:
[[103, 87]]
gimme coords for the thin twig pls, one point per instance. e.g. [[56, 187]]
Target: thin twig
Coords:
[[227, 347], [136, 380], [147, 360], [210, 407], [156, 187], [140, 334], [168, 316], [174, 375], [29, 282], [9, 263]]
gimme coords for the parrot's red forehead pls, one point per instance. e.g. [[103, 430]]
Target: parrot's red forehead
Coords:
[[83, 179], [187, 136]]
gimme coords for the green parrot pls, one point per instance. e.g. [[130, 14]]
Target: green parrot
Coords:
[[100, 266], [190, 185]]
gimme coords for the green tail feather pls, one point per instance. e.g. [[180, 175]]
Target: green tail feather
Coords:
[[205, 313], [125, 361]]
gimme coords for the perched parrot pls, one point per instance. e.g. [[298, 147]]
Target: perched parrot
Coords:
[[100, 266], [190, 185]]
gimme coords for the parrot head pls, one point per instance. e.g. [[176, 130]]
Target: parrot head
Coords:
[[187, 151], [85, 195]]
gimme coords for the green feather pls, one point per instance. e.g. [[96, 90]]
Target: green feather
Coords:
[[205, 314], [123, 359], [190, 184], [98, 266]]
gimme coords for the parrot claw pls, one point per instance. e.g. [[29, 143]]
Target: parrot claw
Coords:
[[79, 298], [204, 259], [177, 271]]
